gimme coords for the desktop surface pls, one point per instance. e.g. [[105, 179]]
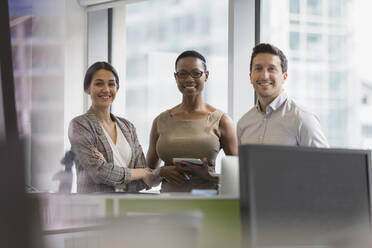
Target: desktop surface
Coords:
[[220, 215]]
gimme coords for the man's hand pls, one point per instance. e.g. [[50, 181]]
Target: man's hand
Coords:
[[171, 174]]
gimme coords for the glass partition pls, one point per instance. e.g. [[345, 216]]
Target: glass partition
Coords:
[[42, 41]]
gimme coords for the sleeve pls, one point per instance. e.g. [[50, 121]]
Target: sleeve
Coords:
[[310, 132], [83, 142], [239, 132], [138, 160]]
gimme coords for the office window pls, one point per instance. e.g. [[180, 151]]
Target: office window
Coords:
[[314, 46], [314, 7], [294, 40], [156, 33], [337, 83], [294, 6], [314, 23], [295, 22], [337, 46], [367, 130], [328, 51], [335, 8]]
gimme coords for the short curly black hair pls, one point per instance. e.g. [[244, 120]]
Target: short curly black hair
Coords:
[[268, 48], [191, 53], [96, 67]]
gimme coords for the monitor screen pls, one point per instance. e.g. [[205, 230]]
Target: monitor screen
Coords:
[[297, 196]]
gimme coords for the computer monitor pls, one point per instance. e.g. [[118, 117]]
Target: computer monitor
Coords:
[[2, 118], [303, 197]]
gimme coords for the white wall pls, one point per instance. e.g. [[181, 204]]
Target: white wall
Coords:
[[241, 42]]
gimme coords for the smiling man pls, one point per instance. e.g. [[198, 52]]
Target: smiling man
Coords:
[[276, 119]]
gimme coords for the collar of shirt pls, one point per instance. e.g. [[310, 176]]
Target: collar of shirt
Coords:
[[274, 105]]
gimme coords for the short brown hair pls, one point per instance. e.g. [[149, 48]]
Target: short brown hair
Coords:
[[268, 48]]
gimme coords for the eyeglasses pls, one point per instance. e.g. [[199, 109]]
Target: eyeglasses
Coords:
[[185, 74]]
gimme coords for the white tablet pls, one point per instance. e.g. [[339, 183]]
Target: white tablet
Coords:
[[191, 160]]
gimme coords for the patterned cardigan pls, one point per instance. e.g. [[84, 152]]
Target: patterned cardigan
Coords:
[[94, 175]]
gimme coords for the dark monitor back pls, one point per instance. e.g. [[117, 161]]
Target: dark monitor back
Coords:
[[8, 115], [296, 196]]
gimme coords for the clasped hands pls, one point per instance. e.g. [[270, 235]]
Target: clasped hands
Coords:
[[181, 171]]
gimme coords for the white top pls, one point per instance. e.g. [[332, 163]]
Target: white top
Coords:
[[285, 123], [122, 152]]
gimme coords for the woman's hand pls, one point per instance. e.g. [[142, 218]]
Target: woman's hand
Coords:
[[171, 174], [121, 186], [99, 155], [201, 171], [148, 177]]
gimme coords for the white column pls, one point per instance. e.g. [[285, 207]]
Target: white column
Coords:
[[241, 42]]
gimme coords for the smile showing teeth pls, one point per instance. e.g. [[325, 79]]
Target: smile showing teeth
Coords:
[[264, 83], [189, 87]]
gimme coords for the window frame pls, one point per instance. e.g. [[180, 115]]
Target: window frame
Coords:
[[243, 21]]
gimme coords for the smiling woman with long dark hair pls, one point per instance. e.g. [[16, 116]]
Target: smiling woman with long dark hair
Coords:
[[109, 156], [192, 129]]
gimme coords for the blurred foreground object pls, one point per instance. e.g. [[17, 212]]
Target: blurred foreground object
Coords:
[[163, 230], [20, 220], [65, 176]]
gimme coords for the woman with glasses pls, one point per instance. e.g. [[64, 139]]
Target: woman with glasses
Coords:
[[108, 155], [192, 129]]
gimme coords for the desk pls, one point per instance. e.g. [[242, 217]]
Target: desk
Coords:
[[220, 222], [221, 218]]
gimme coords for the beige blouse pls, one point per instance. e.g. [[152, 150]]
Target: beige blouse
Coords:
[[188, 139]]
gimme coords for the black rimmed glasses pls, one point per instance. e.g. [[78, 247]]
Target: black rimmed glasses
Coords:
[[185, 74]]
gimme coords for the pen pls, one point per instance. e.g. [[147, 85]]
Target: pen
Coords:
[[189, 179]]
